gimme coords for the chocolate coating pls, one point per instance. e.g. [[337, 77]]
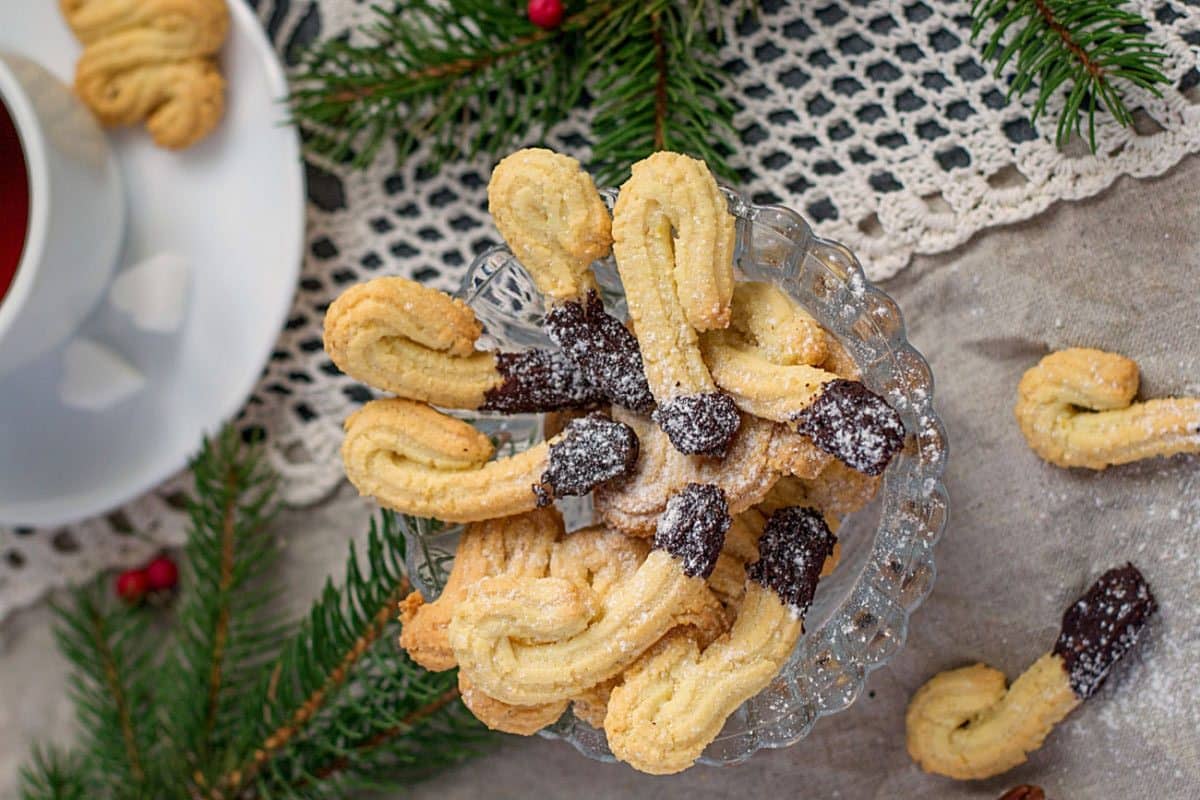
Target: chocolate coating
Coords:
[[1102, 625], [854, 425], [589, 452], [693, 528], [536, 381], [603, 349], [699, 424], [791, 553]]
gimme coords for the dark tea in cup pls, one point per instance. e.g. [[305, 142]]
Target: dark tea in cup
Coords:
[[14, 200]]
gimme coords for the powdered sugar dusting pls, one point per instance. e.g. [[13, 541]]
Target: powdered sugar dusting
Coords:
[[693, 528], [603, 349], [1146, 716], [791, 552], [854, 425], [1102, 626], [590, 451], [538, 380], [700, 424]]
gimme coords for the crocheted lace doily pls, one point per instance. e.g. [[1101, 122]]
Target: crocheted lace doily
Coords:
[[878, 121]]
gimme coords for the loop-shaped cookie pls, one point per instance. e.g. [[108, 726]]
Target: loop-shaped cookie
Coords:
[[964, 724], [839, 361], [419, 343], [421, 462], [595, 558], [843, 418], [757, 384], [783, 332], [634, 503], [151, 60], [518, 545], [673, 239], [1076, 409], [548, 210], [525, 546], [193, 27], [794, 454], [837, 490], [538, 641], [728, 578], [675, 702], [500, 716], [553, 219], [591, 705]]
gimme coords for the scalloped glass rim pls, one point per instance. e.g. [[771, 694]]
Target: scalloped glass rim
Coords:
[[859, 617]]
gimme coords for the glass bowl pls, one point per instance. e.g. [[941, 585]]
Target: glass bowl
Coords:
[[859, 617]]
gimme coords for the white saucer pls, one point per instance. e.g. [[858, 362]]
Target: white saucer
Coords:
[[233, 208]]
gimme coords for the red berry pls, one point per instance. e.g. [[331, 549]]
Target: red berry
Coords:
[[546, 14], [132, 585], [162, 573]]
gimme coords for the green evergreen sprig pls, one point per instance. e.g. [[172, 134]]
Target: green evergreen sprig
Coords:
[[54, 774], [475, 76], [1087, 48], [660, 91], [342, 703], [234, 704], [113, 691], [223, 634]]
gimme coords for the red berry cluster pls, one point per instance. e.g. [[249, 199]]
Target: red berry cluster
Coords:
[[157, 578]]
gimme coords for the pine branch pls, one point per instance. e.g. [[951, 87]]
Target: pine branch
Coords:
[[474, 76], [340, 686], [1090, 48], [661, 90], [398, 721], [660, 84], [242, 710], [112, 690], [222, 632], [359, 749], [114, 681], [55, 774]]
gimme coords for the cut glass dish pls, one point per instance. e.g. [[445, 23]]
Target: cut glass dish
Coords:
[[859, 617]]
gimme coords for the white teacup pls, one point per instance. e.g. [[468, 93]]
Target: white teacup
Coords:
[[76, 214]]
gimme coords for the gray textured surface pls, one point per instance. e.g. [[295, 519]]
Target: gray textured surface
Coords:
[[1120, 272]]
